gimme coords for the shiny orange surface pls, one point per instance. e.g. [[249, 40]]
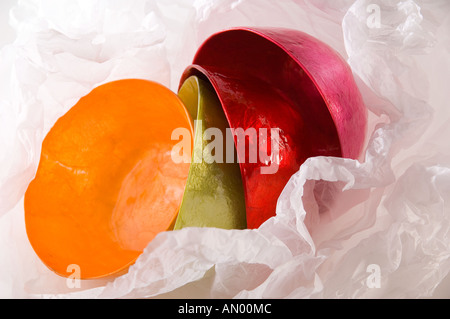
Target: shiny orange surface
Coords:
[[106, 184]]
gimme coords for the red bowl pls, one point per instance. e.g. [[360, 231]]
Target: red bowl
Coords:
[[286, 80]]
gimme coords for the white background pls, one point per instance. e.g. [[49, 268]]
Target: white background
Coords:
[[7, 33]]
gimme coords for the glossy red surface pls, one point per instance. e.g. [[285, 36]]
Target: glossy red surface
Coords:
[[284, 79]]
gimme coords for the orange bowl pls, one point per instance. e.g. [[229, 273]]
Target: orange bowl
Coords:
[[106, 184]]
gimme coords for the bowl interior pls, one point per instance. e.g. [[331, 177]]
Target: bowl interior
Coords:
[[214, 195], [106, 184]]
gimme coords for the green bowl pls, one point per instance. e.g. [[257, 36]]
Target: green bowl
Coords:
[[214, 194]]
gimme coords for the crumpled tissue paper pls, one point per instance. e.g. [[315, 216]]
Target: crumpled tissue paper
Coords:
[[377, 227]]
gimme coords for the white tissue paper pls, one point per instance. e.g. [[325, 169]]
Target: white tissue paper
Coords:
[[378, 227]]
